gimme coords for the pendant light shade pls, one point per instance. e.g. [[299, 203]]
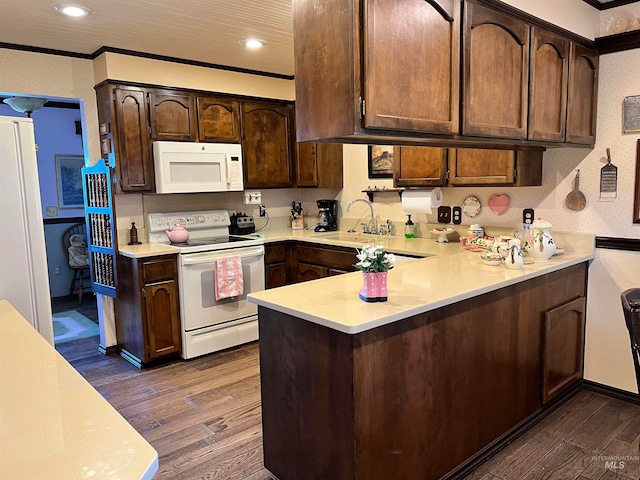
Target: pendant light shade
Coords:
[[26, 105]]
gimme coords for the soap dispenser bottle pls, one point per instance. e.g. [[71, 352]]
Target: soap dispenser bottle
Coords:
[[409, 228]]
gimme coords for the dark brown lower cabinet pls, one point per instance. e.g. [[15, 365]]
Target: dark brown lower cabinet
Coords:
[[277, 264], [147, 308], [563, 347], [418, 398]]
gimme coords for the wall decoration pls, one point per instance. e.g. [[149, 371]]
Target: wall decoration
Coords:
[[380, 161], [499, 204], [631, 114], [69, 180], [608, 180], [471, 206]]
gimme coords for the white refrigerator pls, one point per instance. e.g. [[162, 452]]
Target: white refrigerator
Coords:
[[24, 280]]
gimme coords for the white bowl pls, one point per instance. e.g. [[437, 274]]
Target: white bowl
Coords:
[[492, 259]]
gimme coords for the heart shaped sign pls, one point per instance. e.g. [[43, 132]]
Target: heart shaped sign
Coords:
[[499, 204]]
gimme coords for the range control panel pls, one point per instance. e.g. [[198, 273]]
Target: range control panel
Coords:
[[196, 220]]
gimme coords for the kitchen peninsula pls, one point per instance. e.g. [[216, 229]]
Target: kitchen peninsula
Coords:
[[54, 423], [460, 356]]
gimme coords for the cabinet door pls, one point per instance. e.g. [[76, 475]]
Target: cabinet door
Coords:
[[329, 159], [266, 145], [133, 149], [469, 166], [218, 120], [563, 347], [319, 165], [310, 272], [496, 73], [276, 275], [583, 92], [548, 87], [306, 164], [411, 65], [163, 319], [172, 116], [419, 166]]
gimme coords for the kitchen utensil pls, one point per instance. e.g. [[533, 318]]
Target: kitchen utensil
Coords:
[[177, 233], [576, 200]]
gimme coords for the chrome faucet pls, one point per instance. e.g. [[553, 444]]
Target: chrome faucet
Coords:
[[372, 225]]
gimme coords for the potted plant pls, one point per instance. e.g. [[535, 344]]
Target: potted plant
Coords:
[[374, 262]]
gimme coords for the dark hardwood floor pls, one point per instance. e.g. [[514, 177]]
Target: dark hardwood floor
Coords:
[[203, 418], [88, 308]]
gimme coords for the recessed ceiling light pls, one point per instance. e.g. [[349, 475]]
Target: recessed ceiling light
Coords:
[[72, 10], [253, 43]]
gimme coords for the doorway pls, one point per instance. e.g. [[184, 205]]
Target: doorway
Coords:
[[59, 136]]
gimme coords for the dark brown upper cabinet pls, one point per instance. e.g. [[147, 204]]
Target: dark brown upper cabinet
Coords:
[[496, 73], [411, 65], [517, 168], [124, 134], [548, 86], [583, 93], [172, 116], [434, 166], [419, 166], [400, 74], [319, 165], [267, 144], [218, 119]]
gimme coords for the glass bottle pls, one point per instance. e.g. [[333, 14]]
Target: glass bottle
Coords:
[[409, 228]]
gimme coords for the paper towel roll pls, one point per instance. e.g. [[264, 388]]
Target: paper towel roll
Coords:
[[421, 201]]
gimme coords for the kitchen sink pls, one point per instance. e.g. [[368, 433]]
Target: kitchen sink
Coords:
[[354, 237]]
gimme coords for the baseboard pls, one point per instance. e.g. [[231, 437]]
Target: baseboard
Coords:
[[611, 391], [490, 450], [108, 350]]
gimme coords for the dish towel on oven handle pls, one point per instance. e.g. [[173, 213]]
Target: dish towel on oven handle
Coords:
[[228, 282]]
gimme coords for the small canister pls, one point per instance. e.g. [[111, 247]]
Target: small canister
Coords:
[[475, 233]]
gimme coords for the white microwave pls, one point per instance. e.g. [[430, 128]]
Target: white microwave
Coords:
[[189, 167]]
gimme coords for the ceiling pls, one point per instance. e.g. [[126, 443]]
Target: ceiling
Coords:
[[208, 31]]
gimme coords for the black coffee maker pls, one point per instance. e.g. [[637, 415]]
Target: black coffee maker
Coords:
[[327, 216]]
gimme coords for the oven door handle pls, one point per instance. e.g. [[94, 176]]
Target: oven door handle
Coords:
[[208, 257]]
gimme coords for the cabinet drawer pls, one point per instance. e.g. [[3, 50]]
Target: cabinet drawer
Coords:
[[335, 258], [274, 254], [157, 270]]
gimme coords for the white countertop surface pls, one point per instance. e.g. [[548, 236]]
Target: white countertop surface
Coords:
[[450, 275], [53, 424]]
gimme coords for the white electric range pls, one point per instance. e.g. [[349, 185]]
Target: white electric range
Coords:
[[209, 325]]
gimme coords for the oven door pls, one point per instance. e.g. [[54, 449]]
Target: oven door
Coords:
[[198, 305]]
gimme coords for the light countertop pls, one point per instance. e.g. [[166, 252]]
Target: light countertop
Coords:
[[53, 424], [450, 275], [447, 275]]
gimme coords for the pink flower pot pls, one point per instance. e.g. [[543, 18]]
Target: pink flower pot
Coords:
[[381, 280], [369, 292]]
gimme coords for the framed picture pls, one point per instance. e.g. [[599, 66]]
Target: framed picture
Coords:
[[69, 181], [380, 161]]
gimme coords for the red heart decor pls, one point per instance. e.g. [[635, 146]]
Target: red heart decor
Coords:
[[499, 204]]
